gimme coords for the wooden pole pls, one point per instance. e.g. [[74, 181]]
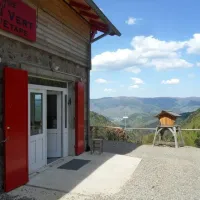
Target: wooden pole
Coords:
[[155, 136]]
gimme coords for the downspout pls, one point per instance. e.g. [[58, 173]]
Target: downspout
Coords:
[[88, 135]]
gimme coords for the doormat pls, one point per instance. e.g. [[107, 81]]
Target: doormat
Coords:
[[74, 164]]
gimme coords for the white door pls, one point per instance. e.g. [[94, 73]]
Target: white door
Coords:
[[54, 121], [37, 129], [65, 123]]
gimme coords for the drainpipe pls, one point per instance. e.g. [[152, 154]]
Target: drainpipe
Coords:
[[88, 136]]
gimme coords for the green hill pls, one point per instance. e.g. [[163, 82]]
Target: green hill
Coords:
[[139, 120], [99, 120], [192, 138], [192, 120]]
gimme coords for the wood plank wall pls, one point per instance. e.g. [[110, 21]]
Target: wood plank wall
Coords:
[[60, 31], [167, 120]]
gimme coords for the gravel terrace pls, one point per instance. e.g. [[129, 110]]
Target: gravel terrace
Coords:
[[163, 174]]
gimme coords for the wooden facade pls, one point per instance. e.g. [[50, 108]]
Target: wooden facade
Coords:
[[167, 118], [60, 31]]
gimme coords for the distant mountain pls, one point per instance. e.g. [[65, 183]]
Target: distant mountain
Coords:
[[99, 120], [117, 107]]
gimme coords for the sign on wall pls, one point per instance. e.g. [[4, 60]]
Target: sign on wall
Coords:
[[18, 18]]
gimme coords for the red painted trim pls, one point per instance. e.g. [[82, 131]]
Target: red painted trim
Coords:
[[16, 118], [93, 33], [79, 5], [79, 118], [101, 29], [96, 23], [90, 15]]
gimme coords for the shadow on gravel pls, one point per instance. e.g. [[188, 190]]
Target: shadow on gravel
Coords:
[[119, 147], [4, 196]]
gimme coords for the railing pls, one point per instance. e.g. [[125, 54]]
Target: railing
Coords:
[[186, 129]]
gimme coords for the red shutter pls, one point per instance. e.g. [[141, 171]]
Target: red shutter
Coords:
[[79, 116], [15, 128]]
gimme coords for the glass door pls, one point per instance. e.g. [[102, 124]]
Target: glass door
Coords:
[[54, 120], [37, 128]]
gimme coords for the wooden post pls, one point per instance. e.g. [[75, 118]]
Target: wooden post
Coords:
[[155, 136], [159, 136], [181, 136], [175, 137]]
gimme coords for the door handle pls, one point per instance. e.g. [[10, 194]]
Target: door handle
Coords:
[[4, 141]]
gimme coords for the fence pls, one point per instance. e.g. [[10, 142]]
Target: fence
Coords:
[[140, 135]]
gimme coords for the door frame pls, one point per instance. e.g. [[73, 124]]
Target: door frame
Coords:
[[43, 92], [64, 137]]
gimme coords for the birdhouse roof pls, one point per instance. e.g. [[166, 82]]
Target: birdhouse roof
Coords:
[[167, 112]]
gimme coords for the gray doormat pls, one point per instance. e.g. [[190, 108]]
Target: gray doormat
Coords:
[[74, 164]]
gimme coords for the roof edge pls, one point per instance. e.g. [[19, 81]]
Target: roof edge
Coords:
[[169, 113], [103, 17]]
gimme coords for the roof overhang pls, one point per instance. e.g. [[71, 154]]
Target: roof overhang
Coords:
[[164, 112], [88, 10]]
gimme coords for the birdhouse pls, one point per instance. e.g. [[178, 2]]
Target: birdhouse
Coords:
[[167, 118]]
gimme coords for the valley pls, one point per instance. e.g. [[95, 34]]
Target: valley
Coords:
[[141, 114]]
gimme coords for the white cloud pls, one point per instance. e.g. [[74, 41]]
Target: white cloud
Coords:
[[134, 87], [162, 64], [172, 81], [121, 86], [192, 75], [194, 44], [148, 44], [144, 52], [131, 21], [137, 81], [109, 90], [134, 70], [198, 64], [100, 80]]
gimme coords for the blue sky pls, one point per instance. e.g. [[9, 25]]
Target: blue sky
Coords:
[[158, 53]]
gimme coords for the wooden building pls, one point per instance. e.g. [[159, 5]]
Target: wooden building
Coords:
[[167, 123], [45, 63], [167, 118]]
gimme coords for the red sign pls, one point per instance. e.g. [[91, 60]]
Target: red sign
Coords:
[[18, 18]]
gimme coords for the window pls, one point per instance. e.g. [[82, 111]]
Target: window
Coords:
[[52, 111], [36, 113]]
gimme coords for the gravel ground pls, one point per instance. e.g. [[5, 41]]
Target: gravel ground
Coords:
[[163, 174]]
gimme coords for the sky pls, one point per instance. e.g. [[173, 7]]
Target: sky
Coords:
[[157, 55]]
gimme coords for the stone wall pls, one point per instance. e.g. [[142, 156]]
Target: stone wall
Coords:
[[38, 63]]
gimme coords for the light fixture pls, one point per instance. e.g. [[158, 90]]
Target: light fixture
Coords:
[[55, 67], [69, 101]]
